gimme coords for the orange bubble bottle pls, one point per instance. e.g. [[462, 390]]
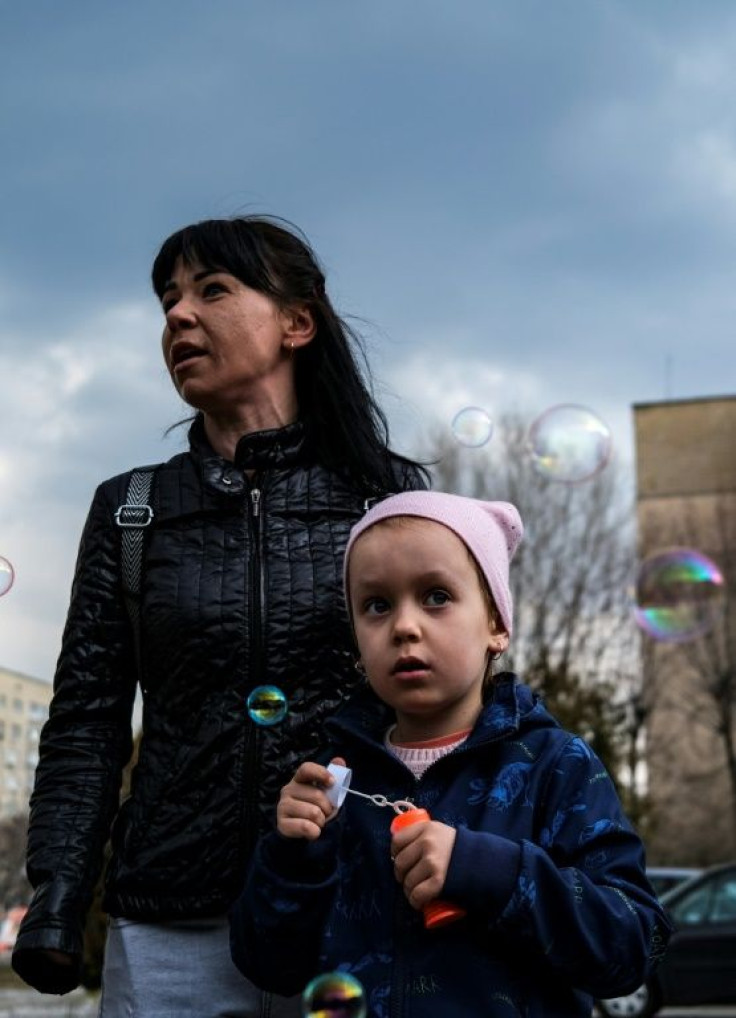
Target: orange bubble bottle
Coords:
[[436, 913]]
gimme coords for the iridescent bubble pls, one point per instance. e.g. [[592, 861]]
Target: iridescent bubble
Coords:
[[7, 575], [334, 995], [267, 705], [569, 443], [679, 594], [472, 426]]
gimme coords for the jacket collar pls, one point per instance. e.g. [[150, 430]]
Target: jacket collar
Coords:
[[513, 708], [277, 448]]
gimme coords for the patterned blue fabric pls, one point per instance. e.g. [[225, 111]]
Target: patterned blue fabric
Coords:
[[545, 862]]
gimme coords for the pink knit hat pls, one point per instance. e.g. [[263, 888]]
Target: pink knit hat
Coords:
[[491, 531]]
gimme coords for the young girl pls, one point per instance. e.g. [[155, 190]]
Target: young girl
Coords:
[[527, 836]]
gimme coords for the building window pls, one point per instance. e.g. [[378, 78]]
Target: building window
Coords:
[[15, 732], [38, 711], [18, 706]]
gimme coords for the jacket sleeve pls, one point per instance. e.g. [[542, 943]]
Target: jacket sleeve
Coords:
[[276, 925], [579, 899], [84, 746]]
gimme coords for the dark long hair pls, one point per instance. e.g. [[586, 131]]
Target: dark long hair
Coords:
[[344, 425]]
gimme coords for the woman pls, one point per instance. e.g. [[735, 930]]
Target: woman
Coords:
[[241, 588]]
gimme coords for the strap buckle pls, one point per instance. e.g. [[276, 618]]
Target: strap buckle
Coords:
[[136, 516]]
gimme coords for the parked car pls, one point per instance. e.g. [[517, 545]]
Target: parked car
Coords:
[[664, 878], [699, 967]]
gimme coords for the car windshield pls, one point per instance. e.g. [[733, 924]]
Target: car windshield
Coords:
[[711, 901], [665, 881]]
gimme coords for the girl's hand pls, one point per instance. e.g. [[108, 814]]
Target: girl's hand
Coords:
[[421, 854], [303, 808]]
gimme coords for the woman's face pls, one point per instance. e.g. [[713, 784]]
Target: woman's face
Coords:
[[226, 345]]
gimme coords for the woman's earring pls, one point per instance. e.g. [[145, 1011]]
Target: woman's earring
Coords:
[[360, 667]]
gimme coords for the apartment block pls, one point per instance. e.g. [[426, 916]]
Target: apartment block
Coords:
[[686, 497], [24, 706]]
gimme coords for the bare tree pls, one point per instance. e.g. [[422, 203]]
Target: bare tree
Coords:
[[574, 637]]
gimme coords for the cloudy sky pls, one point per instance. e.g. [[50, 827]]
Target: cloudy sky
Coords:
[[526, 203]]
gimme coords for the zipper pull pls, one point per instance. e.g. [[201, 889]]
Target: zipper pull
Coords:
[[255, 497]]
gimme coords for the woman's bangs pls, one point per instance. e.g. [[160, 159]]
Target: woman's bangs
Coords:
[[213, 244]]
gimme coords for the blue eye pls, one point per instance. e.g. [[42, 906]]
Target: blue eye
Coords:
[[212, 289], [437, 598]]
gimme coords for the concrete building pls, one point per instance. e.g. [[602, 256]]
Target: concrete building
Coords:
[[686, 497], [24, 706]]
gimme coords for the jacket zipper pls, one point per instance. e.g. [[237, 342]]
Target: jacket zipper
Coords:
[[398, 968], [256, 591], [252, 742], [252, 754]]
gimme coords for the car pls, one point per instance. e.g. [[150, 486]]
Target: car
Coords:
[[664, 878], [699, 967]]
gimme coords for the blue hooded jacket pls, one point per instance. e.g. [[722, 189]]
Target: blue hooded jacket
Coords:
[[549, 869]]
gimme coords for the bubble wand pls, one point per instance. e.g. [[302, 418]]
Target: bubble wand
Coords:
[[436, 913]]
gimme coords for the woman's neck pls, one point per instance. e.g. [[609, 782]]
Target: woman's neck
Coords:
[[224, 431]]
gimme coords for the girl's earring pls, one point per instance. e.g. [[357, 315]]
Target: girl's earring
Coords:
[[497, 655], [360, 667]]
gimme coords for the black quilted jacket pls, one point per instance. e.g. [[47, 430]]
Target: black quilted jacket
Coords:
[[241, 587]]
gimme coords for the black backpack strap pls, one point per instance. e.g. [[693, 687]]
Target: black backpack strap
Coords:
[[133, 516]]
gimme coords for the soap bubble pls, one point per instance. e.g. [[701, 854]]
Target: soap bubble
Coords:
[[267, 705], [679, 594], [7, 575], [569, 443], [334, 995], [472, 426]]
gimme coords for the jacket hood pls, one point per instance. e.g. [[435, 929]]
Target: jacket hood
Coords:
[[513, 710]]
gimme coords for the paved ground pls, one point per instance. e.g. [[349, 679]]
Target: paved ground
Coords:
[[21, 1003], [698, 1012], [29, 1004], [695, 1012]]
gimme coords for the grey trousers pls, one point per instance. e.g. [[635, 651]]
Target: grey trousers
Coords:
[[179, 969]]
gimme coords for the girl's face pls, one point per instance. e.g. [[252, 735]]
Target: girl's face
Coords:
[[225, 344], [422, 625]]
